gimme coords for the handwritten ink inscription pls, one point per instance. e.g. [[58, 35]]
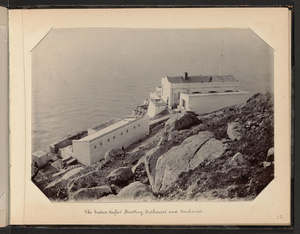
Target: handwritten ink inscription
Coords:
[[116, 212]]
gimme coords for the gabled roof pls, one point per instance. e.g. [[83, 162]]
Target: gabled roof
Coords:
[[201, 79]]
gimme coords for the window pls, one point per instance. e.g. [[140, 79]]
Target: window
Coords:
[[127, 130], [121, 133], [114, 137], [139, 125], [133, 127], [95, 147], [100, 143], [212, 92], [108, 139]]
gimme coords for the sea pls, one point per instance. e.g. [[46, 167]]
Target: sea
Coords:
[[81, 78]]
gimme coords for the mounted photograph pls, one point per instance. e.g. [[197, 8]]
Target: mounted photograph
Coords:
[[152, 115]]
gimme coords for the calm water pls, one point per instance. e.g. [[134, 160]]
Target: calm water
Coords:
[[81, 78]]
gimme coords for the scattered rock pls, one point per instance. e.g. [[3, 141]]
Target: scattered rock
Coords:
[[238, 160], [178, 163], [270, 155], [266, 164], [225, 140], [90, 179], [136, 191], [139, 164], [139, 171], [234, 131], [120, 176], [248, 124], [113, 154], [173, 135], [145, 180], [163, 139], [92, 193]]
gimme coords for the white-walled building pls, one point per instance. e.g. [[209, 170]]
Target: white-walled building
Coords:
[[155, 107], [205, 103], [40, 158], [172, 87], [93, 147]]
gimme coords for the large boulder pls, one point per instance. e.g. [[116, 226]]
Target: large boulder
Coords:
[[211, 150], [113, 154], [234, 131], [120, 176], [136, 191], [187, 156], [92, 193], [181, 121], [108, 198], [150, 160]]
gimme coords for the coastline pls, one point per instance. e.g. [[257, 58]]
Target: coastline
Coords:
[[143, 158]]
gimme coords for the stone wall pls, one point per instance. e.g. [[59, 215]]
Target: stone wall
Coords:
[[54, 148]]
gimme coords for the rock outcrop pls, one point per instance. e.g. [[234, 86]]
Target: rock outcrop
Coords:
[[136, 191], [226, 154], [112, 155], [120, 176], [88, 180], [188, 155], [181, 121]]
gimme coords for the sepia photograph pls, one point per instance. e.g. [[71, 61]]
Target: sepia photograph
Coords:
[[152, 115]]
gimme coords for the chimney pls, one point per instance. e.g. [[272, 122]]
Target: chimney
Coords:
[[185, 76]]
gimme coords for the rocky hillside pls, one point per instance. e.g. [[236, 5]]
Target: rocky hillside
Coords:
[[227, 154]]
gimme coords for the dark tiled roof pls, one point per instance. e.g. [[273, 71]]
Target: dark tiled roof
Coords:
[[201, 79]]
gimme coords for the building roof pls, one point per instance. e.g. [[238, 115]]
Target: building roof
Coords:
[[201, 79], [110, 128], [106, 124]]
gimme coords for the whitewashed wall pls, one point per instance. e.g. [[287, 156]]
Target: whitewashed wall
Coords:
[[89, 152], [154, 109], [205, 103]]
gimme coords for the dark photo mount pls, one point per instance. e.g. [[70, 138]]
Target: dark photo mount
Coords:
[[290, 4]]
